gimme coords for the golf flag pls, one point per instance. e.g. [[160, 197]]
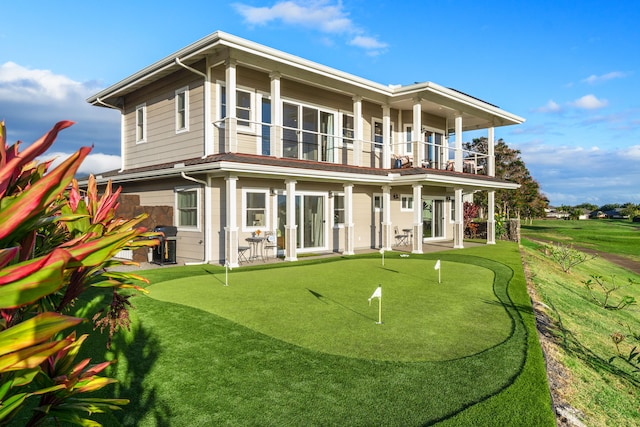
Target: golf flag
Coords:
[[376, 294], [437, 267]]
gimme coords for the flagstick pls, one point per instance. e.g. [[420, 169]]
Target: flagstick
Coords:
[[439, 270], [226, 273], [382, 253], [380, 310]]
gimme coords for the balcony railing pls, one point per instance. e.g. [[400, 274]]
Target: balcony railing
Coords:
[[288, 142]]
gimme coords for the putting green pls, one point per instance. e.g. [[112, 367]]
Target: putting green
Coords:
[[324, 307]]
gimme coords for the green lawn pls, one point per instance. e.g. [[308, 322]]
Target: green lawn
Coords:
[[621, 237], [298, 344]]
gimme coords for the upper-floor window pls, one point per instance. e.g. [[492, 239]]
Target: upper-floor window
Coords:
[[338, 209], [244, 106], [255, 209], [378, 204], [378, 130], [187, 207], [408, 132], [182, 109], [141, 123], [348, 128]]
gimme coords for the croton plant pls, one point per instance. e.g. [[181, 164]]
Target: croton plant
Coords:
[[56, 242]]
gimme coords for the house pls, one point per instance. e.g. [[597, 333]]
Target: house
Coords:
[[237, 138]]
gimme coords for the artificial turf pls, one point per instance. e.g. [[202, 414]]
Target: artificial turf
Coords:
[[297, 344]]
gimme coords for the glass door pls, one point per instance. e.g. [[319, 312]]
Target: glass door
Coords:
[[310, 214], [432, 218]]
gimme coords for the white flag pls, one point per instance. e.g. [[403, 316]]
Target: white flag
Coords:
[[376, 294], [437, 267]]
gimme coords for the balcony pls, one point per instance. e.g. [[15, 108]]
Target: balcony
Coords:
[[314, 145]]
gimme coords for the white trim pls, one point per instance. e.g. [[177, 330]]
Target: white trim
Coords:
[[176, 211], [183, 90], [409, 199]]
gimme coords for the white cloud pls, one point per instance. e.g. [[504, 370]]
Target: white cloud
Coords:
[[92, 164], [549, 107], [322, 15], [32, 101], [590, 102], [593, 79]]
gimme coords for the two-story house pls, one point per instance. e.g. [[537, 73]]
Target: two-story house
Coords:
[[238, 138]]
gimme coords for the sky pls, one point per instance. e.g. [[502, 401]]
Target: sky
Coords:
[[571, 69]]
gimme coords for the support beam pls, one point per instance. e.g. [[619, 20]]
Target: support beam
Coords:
[[358, 123], [291, 228], [349, 226], [491, 218], [276, 115], [386, 137], [418, 149], [386, 218], [458, 152], [231, 229], [417, 219], [231, 125], [458, 225], [491, 152]]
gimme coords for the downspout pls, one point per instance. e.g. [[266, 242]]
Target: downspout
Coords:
[[206, 103], [122, 151], [207, 218]]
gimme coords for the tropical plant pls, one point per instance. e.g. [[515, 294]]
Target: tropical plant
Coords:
[[55, 243], [602, 290], [566, 256]]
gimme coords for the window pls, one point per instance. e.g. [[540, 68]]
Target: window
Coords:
[[182, 109], [377, 202], [244, 104], [141, 123], [377, 132], [406, 203], [348, 129], [408, 131], [255, 209], [187, 207], [338, 209]]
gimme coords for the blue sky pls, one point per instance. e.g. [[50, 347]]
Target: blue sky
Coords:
[[572, 69]]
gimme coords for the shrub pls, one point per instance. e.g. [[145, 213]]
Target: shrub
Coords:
[[55, 243], [566, 257]]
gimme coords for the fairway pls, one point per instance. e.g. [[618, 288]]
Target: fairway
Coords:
[[325, 307]]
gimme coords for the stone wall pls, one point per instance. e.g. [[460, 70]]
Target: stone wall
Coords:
[[157, 215]]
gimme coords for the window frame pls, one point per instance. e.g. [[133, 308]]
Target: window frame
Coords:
[[182, 190], [406, 203], [141, 113], [252, 228], [222, 106], [182, 92], [338, 224], [380, 197]]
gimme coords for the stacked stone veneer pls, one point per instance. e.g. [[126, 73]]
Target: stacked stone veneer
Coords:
[[157, 215]]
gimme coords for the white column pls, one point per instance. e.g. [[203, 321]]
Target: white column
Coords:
[[386, 137], [491, 161], [418, 149], [458, 226], [458, 153], [208, 117], [290, 228], [349, 244], [231, 134], [208, 221], [417, 219], [358, 124], [491, 220], [386, 217], [276, 115], [231, 230]]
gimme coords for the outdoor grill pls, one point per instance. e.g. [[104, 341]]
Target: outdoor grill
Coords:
[[165, 252]]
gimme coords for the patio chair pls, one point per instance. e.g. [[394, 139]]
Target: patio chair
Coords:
[[402, 239], [271, 244], [242, 254]]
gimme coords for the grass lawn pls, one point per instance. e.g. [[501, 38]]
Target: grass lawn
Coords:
[[621, 237], [298, 344]]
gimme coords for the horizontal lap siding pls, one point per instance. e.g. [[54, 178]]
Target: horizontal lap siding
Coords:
[[163, 144]]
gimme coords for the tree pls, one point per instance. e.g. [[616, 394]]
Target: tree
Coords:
[[55, 243], [527, 201]]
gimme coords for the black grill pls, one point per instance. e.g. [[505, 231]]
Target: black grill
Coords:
[[165, 252]]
